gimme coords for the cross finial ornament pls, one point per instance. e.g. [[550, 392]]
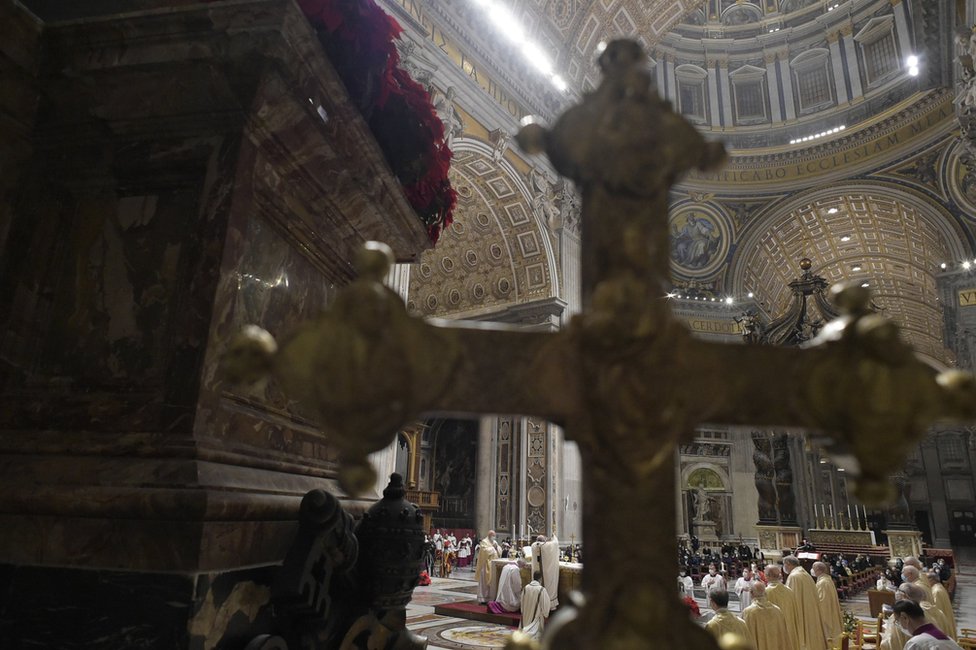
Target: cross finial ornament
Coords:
[[625, 380]]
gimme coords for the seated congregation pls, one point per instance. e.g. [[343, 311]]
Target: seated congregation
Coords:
[[787, 607]]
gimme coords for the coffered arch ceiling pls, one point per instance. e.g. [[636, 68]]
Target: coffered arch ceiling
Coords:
[[865, 232], [495, 255]]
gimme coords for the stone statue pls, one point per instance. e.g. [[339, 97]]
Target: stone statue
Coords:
[[544, 198], [702, 503], [447, 111], [752, 328], [499, 138], [762, 457], [785, 498]]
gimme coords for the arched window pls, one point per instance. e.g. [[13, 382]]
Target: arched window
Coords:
[[705, 478]]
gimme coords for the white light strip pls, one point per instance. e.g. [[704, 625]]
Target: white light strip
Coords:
[[817, 136], [510, 27]]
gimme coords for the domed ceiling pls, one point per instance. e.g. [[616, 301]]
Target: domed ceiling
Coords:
[[802, 92]]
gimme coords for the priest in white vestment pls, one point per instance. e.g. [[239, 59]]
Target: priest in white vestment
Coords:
[[510, 588], [743, 589], [488, 550], [545, 558], [830, 613], [725, 622], [766, 622], [712, 581], [783, 597], [685, 583], [535, 607], [811, 630]]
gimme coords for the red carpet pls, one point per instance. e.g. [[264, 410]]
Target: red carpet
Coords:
[[473, 611]]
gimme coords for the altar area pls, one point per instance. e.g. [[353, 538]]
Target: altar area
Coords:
[[570, 574]]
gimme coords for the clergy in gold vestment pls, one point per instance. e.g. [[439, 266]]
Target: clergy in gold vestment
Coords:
[[830, 614], [783, 597], [766, 622], [943, 602], [811, 630], [913, 575], [892, 637], [487, 551], [725, 622], [917, 595]]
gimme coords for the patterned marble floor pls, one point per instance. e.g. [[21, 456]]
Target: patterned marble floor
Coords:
[[446, 633]]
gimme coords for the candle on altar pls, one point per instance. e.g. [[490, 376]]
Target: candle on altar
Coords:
[[850, 525]]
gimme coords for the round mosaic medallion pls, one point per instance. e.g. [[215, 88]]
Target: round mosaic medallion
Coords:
[[700, 239]]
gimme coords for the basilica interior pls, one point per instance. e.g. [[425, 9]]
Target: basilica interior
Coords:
[[174, 171]]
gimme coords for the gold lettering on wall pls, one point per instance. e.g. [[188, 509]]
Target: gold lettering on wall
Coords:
[[967, 297], [766, 169], [437, 36], [710, 326]]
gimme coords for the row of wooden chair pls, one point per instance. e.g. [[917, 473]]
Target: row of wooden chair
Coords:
[[858, 582], [967, 638]]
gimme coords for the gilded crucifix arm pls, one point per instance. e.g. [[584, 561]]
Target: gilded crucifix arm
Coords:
[[365, 367], [859, 384]]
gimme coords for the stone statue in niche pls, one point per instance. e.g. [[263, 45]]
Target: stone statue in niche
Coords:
[[900, 513], [500, 139], [414, 60], [751, 326], [765, 471], [544, 198], [785, 498], [704, 505], [447, 111]]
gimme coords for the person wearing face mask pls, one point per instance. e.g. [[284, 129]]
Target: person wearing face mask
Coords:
[[894, 637], [943, 602], [913, 575], [713, 580], [923, 635], [743, 589], [811, 629], [725, 622], [685, 583]]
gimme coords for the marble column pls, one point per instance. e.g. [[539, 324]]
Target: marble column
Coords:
[[837, 68], [659, 73], [772, 84], [936, 491], [715, 111], [907, 48], [786, 76], [726, 99], [853, 69], [672, 80], [485, 485]]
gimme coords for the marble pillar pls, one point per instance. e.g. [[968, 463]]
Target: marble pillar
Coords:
[[187, 172]]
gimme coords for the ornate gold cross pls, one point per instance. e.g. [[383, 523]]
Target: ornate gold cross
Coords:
[[625, 380]]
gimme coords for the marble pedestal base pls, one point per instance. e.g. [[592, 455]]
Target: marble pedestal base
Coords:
[[704, 531], [775, 538], [903, 543]]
